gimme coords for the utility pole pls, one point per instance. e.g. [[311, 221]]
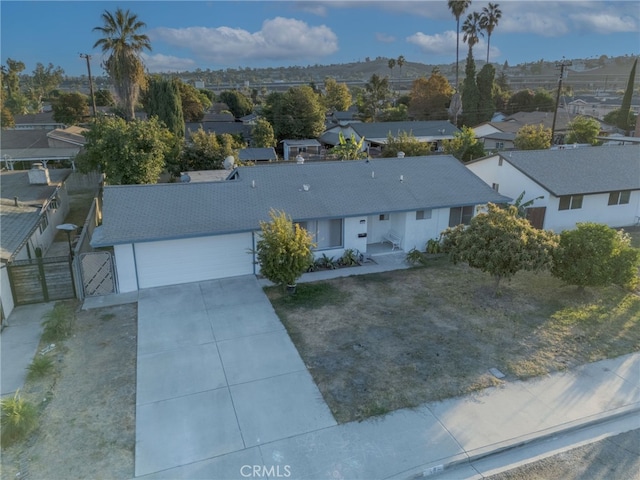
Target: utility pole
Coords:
[[562, 66], [93, 97]]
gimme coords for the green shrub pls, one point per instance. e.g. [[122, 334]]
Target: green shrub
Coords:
[[18, 418], [434, 246], [325, 262], [40, 367], [57, 323], [349, 258], [415, 257]]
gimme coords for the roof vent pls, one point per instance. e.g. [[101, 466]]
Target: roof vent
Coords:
[[305, 187], [373, 174], [299, 159], [402, 178], [400, 154], [253, 184]]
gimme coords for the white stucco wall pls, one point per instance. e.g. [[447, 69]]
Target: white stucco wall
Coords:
[[125, 268], [5, 291], [418, 232]]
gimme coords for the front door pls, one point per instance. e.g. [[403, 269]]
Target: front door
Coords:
[[535, 215]]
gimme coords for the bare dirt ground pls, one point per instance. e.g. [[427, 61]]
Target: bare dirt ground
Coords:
[[86, 427]]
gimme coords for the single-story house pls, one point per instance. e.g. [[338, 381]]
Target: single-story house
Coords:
[[33, 203], [184, 232], [590, 184], [67, 137], [429, 131], [257, 154], [309, 148]]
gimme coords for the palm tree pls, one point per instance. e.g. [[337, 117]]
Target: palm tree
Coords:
[[123, 43], [491, 15], [400, 63], [392, 64], [458, 7], [472, 30]]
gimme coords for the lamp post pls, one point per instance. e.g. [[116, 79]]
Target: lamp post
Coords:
[[68, 227]]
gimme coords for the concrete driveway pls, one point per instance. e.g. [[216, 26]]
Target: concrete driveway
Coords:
[[217, 373]]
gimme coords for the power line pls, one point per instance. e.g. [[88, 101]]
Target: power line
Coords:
[[561, 65]]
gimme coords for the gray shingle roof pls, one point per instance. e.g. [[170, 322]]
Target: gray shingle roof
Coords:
[[137, 213], [577, 171], [418, 129], [257, 154]]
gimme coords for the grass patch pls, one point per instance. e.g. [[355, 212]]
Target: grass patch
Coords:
[[18, 418], [40, 367], [377, 343], [58, 323]]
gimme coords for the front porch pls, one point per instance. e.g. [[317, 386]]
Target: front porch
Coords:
[[381, 248]]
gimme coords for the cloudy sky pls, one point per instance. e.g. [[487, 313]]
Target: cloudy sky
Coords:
[[232, 34]]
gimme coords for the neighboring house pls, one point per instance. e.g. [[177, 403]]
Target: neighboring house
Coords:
[[176, 233], [434, 132], [498, 141], [309, 148], [591, 184], [257, 154], [599, 106], [34, 202], [232, 128], [36, 121], [250, 119], [67, 137], [39, 145]]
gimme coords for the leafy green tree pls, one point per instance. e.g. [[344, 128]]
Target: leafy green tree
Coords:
[[123, 42], [543, 101], [14, 100], [127, 153], [470, 93], [625, 108], [194, 103], [283, 249], [162, 99], [430, 97], [485, 81], [458, 7], [529, 101], [405, 142], [399, 113], [489, 19], [6, 120], [583, 130], [374, 98], [70, 108], [533, 137], [338, 97], [296, 113], [239, 104], [262, 135], [611, 118], [207, 151], [500, 243], [42, 82], [104, 98], [595, 255], [349, 149], [464, 145]]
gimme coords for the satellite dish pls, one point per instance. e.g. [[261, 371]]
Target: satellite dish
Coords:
[[229, 162]]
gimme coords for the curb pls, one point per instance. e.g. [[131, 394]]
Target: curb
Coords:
[[433, 470]]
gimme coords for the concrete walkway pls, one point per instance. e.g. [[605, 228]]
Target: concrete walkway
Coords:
[[223, 394]]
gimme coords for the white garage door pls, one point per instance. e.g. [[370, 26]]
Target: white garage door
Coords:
[[192, 260]]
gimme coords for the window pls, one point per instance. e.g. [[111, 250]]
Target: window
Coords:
[[570, 202], [495, 186], [325, 233], [500, 146], [44, 223], [423, 214], [619, 198], [460, 215], [383, 217]]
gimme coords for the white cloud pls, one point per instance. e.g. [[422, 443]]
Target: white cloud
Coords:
[[312, 8], [539, 23], [166, 63], [604, 23], [385, 38], [437, 44], [279, 39]]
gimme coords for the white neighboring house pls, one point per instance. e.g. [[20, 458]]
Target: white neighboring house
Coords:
[[594, 184], [167, 234]]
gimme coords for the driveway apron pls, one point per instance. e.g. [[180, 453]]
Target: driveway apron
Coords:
[[216, 374]]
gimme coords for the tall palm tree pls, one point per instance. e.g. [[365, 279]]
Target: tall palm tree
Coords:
[[392, 64], [472, 30], [400, 63], [123, 43], [458, 7], [491, 15]]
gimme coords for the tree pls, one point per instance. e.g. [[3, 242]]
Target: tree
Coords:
[[194, 103], [338, 97], [533, 137], [349, 149], [296, 113], [400, 61], [500, 243], [458, 7], [392, 64], [238, 103], [14, 100], [283, 250], [596, 255], [429, 98], [262, 135], [472, 30], [485, 82], [207, 151], [464, 145], [394, 114], [529, 101], [405, 142], [123, 43], [162, 99], [490, 17], [104, 98], [611, 118], [470, 93], [583, 130], [70, 108], [127, 153], [374, 98], [625, 108], [42, 82]]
